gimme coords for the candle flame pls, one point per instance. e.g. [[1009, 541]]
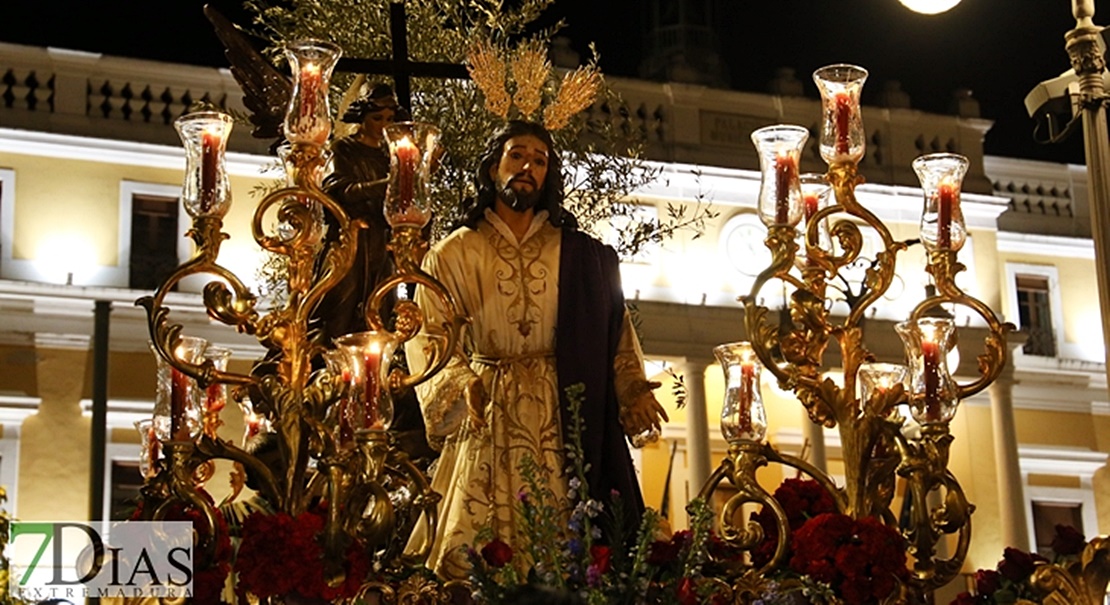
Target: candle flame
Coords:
[[405, 142], [310, 69]]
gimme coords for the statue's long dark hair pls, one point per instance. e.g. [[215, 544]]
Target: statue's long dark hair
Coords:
[[551, 197]]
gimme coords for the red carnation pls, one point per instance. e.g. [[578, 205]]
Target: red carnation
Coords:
[[987, 581], [497, 553], [687, 592], [1016, 565], [862, 560], [664, 552], [599, 557], [1068, 541]]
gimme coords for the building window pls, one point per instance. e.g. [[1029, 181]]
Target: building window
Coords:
[[1035, 315], [1047, 515], [1036, 307], [154, 240]]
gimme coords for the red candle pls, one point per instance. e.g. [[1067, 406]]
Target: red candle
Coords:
[[253, 424], [407, 155], [946, 199], [373, 359], [179, 393], [747, 395], [930, 352], [213, 398], [153, 452], [785, 174], [310, 89], [811, 202], [843, 102], [209, 160]]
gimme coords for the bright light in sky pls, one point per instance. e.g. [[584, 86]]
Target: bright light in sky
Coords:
[[929, 7]]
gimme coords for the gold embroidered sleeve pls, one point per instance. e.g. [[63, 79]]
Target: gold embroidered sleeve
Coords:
[[441, 397], [641, 416]]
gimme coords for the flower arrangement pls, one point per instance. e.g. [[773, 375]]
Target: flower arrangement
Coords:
[[599, 556], [831, 558], [281, 555], [1009, 581]]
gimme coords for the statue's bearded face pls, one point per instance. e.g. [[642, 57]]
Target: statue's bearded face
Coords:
[[521, 172]]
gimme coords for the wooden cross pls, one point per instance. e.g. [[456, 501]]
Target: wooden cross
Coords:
[[399, 66]]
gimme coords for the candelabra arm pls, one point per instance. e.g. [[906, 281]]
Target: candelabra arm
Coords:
[[263, 474], [925, 467], [843, 177], [764, 335], [425, 502], [183, 464], [408, 248], [943, 266], [237, 310]]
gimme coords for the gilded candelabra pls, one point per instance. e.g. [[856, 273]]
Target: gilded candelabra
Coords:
[[329, 404], [876, 448]]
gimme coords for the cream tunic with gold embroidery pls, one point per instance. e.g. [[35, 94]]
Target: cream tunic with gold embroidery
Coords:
[[510, 292]]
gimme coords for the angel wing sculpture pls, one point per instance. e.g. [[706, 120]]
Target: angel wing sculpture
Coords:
[[266, 90]]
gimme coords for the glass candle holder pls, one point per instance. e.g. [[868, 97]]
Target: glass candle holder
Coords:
[[879, 377], [177, 399], [150, 449], [816, 193], [204, 134], [842, 136], [931, 390], [368, 357], [942, 221], [780, 195], [308, 117], [255, 422], [413, 154], [743, 417], [215, 396]]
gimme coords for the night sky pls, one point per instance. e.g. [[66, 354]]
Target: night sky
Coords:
[[1000, 49]]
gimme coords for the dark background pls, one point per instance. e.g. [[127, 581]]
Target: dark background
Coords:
[[999, 49]]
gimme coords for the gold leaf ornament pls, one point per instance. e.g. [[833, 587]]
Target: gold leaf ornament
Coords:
[[577, 92], [488, 71], [530, 71]]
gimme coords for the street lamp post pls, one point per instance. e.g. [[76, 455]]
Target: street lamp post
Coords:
[[1085, 48]]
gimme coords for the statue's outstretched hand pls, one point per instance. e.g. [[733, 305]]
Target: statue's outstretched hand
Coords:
[[644, 414], [476, 402]]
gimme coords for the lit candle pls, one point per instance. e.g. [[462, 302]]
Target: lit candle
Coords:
[[407, 155], [843, 102], [311, 79], [253, 424], [153, 452], [209, 161], [930, 352], [811, 200], [785, 174], [810, 203], [747, 395], [946, 199], [179, 394], [372, 359], [213, 398]]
